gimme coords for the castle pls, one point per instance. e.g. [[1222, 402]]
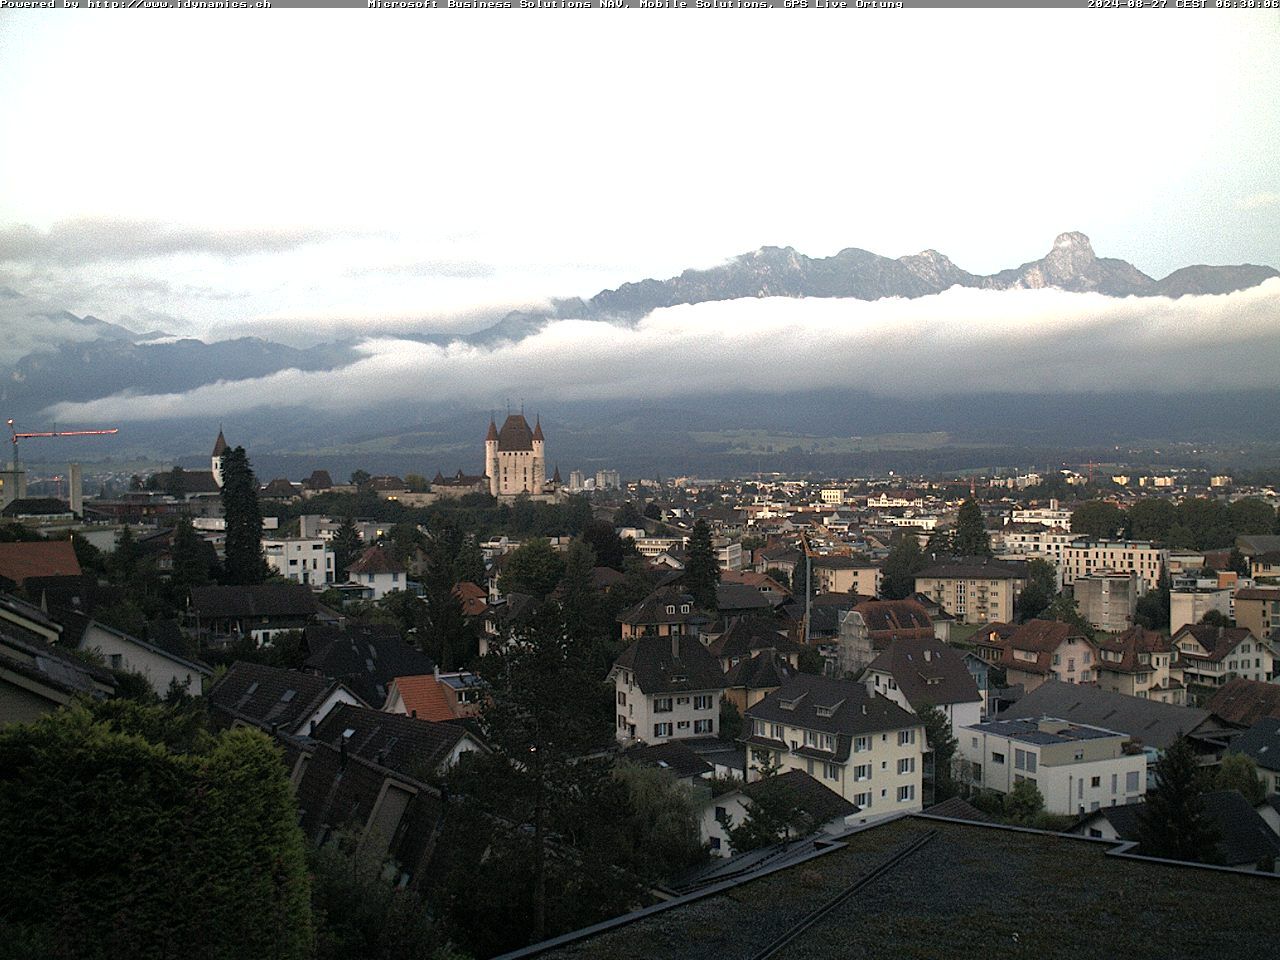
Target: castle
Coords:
[[515, 459]]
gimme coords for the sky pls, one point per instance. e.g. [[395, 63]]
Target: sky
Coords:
[[338, 172]]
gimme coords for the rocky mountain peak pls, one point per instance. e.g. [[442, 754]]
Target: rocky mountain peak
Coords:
[[1073, 240]]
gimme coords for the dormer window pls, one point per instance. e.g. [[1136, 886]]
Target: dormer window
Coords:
[[671, 609], [684, 608]]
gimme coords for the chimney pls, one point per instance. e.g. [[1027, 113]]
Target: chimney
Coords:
[[870, 684], [928, 655], [76, 491], [414, 713]]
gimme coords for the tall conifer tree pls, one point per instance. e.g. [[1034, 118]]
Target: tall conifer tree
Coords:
[[245, 562]]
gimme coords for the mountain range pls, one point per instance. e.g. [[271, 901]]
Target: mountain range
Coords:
[[52, 356]]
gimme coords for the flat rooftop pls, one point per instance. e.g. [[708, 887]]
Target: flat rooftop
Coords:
[[1028, 731], [969, 891]]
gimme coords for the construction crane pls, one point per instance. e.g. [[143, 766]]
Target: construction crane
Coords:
[[52, 433]]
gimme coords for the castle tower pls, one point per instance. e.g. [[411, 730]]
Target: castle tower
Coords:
[[539, 459], [219, 448], [491, 457]]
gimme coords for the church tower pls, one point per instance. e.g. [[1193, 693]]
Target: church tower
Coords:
[[219, 448]]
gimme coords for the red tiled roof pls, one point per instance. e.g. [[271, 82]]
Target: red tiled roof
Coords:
[[1244, 702], [1216, 641], [475, 600], [424, 697], [1134, 641], [47, 558]]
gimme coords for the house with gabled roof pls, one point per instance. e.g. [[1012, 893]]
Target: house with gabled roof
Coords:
[[1041, 650], [260, 610], [666, 612], [37, 677], [1139, 663], [378, 573], [827, 811], [871, 625], [1209, 655], [437, 696], [850, 739], [1261, 744], [1241, 703], [366, 657], [165, 667], [918, 673], [666, 687], [275, 700], [40, 558], [747, 637], [411, 745]]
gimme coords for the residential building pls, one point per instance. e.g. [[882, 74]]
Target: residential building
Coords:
[[683, 764], [1190, 606], [1258, 609], [1245, 842], [1108, 599], [37, 677], [1139, 663], [666, 687], [378, 573], [437, 696], [872, 625], [1054, 516], [728, 553], [973, 589], [165, 669], [748, 637], [260, 611], [1042, 650], [752, 679], [1209, 656], [1084, 557], [665, 612], [39, 558], [915, 674], [366, 657], [826, 810], [862, 745], [833, 495], [308, 561], [1076, 768], [1241, 703], [1261, 744], [272, 699], [1265, 566], [846, 575], [398, 742]]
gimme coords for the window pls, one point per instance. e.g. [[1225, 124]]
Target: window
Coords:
[[117, 661], [1057, 660], [997, 757], [662, 705], [830, 771], [1095, 783], [778, 732], [702, 702], [906, 793], [1031, 762], [1131, 781], [622, 699], [1019, 759], [907, 765], [715, 842], [722, 814], [662, 729], [681, 701], [702, 726], [682, 725], [862, 799], [905, 737], [1114, 782], [862, 772], [975, 742], [861, 743]]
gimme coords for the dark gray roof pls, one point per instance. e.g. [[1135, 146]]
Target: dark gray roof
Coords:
[[653, 609], [840, 707], [1261, 742], [739, 596], [1149, 722], [928, 672], [658, 670], [269, 696], [750, 634], [1246, 838], [954, 808], [972, 568], [673, 756], [416, 748], [821, 803], [764, 671], [364, 656], [258, 600]]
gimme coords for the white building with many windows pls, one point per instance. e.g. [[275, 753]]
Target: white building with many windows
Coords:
[[1076, 768], [853, 741], [302, 560], [1085, 557], [666, 688]]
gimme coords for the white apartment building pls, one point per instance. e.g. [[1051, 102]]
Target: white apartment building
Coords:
[[1076, 768], [1050, 516], [1048, 544], [1190, 606], [666, 688], [832, 495], [856, 743], [1084, 557], [308, 560]]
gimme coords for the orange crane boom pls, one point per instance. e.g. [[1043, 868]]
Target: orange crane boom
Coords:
[[52, 433]]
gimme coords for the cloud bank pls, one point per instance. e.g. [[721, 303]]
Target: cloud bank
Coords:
[[961, 341]]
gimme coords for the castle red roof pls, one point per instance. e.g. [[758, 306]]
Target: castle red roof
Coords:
[[515, 434]]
